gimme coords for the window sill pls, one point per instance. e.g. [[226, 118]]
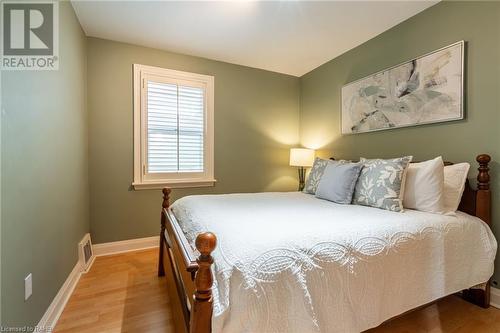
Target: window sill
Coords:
[[173, 184]]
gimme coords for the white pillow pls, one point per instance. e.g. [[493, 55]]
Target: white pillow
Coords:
[[424, 186], [455, 177]]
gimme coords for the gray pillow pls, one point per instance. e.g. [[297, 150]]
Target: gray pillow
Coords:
[[338, 182], [381, 183], [315, 174]]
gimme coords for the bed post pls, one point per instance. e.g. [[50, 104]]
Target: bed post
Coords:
[[165, 205], [201, 315], [483, 196], [481, 294]]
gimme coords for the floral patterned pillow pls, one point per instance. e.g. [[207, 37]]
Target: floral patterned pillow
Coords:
[[315, 174], [381, 183]]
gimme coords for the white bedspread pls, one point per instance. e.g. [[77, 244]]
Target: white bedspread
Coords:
[[289, 262]]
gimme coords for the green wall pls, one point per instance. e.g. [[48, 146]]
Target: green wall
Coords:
[[44, 175], [256, 122], [55, 155], [478, 24]]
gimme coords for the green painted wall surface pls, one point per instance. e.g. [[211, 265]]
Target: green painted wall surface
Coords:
[[44, 175], [478, 24], [74, 155], [256, 122]]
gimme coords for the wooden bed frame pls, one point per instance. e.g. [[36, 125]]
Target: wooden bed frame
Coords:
[[189, 274]]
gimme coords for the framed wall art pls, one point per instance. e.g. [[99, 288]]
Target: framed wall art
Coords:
[[428, 89]]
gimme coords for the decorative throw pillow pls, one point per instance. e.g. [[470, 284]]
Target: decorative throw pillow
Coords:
[[455, 177], [381, 183], [338, 182], [315, 174], [424, 186]]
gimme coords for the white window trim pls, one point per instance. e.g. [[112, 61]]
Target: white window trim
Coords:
[[140, 181]]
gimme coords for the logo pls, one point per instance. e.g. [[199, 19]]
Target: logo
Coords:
[[30, 35]]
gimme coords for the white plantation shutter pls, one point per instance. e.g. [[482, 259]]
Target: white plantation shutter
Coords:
[[191, 104], [175, 128], [162, 127]]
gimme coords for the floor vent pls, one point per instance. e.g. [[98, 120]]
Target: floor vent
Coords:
[[85, 253]]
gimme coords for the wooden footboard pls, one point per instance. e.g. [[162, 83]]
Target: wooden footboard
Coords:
[[189, 273]]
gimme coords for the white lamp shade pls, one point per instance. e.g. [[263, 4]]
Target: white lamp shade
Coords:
[[301, 157]]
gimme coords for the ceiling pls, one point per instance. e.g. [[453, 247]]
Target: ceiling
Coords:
[[291, 37]]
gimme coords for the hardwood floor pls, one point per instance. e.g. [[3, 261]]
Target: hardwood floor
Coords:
[[122, 293], [449, 315]]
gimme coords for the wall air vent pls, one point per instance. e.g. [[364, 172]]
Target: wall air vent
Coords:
[[85, 253]]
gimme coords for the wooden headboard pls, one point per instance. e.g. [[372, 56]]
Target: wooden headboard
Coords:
[[477, 202]]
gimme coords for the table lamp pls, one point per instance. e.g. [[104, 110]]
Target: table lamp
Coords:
[[302, 158]]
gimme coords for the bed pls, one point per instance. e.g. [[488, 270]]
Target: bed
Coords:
[[289, 262]]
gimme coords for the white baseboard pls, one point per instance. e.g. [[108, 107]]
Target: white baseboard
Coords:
[[55, 308], [105, 249], [495, 297]]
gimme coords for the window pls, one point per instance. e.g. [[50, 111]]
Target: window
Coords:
[[173, 128]]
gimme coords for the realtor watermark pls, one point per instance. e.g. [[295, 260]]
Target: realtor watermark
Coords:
[[30, 35], [29, 329]]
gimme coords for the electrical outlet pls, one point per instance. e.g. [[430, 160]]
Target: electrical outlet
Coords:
[[28, 286]]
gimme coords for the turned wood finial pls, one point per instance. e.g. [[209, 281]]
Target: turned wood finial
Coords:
[[483, 177], [201, 313], [205, 244], [166, 197]]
